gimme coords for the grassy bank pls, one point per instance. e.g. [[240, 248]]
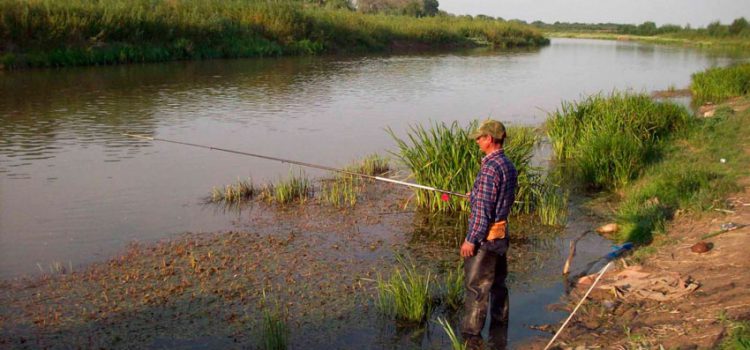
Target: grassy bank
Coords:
[[47, 33], [657, 159], [701, 41], [691, 177], [718, 84], [608, 140]]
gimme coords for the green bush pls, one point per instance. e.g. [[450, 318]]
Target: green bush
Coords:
[[718, 84]]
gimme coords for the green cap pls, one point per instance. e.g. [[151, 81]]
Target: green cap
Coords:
[[490, 127]]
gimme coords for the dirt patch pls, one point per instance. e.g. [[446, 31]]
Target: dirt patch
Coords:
[[671, 93], [614, 320]]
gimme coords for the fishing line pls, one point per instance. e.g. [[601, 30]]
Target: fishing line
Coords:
[[309, 165]]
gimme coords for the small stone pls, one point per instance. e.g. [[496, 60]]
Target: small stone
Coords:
[[608, 228], [700, 247]]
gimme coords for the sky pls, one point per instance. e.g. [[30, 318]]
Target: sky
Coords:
[[698, 13]]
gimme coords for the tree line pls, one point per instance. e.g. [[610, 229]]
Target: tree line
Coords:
[[738, 28]]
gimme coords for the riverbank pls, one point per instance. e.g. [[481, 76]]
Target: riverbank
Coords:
[[706, 304], [707, 42], [73, 33]]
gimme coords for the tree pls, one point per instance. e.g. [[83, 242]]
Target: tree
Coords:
[[738, 26], [430, 7], [647, 28], [716, 29]]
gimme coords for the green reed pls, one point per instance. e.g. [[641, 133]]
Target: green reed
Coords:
[[296, 188], [274, 329], [340, 191], [718, 84], [552, 207], [610, 139], [406, 295], [374, 164], [444, 156], [454, 287], [48, 33], [456, 344], [237, 192]]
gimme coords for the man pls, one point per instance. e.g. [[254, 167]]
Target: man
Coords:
[[486, 244]]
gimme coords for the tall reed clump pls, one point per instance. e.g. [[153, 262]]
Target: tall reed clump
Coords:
[[453, 295], [51, 33], [274, 329], [444, 156], [406, 295], [608, 140], [718, 84], [235, 193]]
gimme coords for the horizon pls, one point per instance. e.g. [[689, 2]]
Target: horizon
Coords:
[[697, 13]]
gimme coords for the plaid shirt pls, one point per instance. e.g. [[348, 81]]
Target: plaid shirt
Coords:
[[492, 196]]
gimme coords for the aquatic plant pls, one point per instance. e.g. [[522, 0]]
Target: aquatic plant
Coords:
[[719, 83], [406, 295], [373, 164], [296, 188], [51, 33], [237, 192], [274, 329], [608, 140], [456, 344], [444, 156], [552, 207], [340, 191], [454, 287]]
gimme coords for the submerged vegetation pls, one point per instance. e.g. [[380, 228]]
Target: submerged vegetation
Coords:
[[718, 84], [51, 33]]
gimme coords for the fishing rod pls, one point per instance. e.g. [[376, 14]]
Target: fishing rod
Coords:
[[309, 165]]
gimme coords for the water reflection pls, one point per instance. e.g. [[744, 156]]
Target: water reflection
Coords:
[[68, 176]]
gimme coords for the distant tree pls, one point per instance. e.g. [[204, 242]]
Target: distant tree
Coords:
[[669, 28], [484, 17], [716, 29], [647, 28], [430, 7], [738, 26]]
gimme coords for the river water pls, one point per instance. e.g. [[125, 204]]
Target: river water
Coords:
[[74, 190]]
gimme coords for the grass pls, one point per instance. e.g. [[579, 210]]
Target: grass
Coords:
[[717, 84], [453, 285], [444, 156], [297, 188], [238, 192], [690, 178], [274, 329], [406, 295], [341, 191], [738, 337], [609, 140], [54, 33], [456, 344]]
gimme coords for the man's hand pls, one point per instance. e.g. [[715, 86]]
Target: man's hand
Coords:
[[467, 249]]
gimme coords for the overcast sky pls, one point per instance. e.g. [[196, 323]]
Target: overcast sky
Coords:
[[698, 13]]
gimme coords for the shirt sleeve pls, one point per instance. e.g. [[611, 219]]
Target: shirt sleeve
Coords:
[[483, 199]]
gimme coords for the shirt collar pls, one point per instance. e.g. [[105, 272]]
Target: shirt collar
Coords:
[[492, 155]]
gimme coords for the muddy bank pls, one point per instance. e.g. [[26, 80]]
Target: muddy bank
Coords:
[[314, 261]]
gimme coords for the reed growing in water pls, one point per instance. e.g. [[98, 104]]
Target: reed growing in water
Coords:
[[406, 295], [296, 188], [274, 329], [608, 140], [53, 33], [444, 156], [456, 344], [718, 84], [240, 191]]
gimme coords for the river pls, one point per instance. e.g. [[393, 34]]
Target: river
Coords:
[[74, 190]]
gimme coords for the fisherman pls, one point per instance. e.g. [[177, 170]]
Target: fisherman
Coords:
[[484, 250]]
